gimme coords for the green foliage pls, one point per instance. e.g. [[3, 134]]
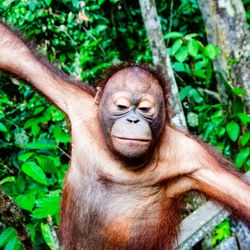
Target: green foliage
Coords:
[[221, 232], [83, 38], [47, 235], [9, 239], [223, 124]]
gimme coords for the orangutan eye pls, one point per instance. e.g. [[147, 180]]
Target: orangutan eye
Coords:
[[145, 106], [122, 107], [144, 109], [122, 104]]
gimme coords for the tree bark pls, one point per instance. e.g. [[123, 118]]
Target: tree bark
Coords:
[[226, 27], [160, 57], [11, 215]]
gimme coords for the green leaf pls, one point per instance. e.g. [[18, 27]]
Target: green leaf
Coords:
[[6, 235], [196, 96], [49, 205], [176, 46], [48, 2], [245, 139], [191, 35], [41, 145], [32, 231], [181, 54], [26, 201], [242, 157], [75, 3], [173, 35], [210, 51], [7, 179], [25, 157], [233, 130], [102, 27], [60, 135], [239, 91], [3, 127], [185, 92], [179, 67], [35, 172], [48, 163], [13, 244], [244, 118], [20, 182], [193, 47], [237, 105], [47, 235], [100, 2]]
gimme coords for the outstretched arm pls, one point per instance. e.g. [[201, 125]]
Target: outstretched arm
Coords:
[[193, 165], [214, 178], [18, 59]]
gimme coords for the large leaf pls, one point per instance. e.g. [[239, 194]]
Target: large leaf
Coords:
[[244, 118], [245, 139], [35, 172], [179, 67], [26, 201], [233, 130], [185, 92], [6, 235], [47, 206], [47, 235], [211, 51], [176, 46], [193, 47], [13, 244], [242, 157], [181, 54]]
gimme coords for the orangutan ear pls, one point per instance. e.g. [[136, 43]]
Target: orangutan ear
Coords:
[[98, 95]]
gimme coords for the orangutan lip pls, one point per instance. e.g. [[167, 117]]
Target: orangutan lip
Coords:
[[133, 139]]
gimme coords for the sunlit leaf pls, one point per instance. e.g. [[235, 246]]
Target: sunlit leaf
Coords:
[[210, 51], [245, 139], [176, 46], [242, 157], [26, 201], [35, 172], [6, 235], [181, 54], [233, 130], [7, 179], [47, 235], [49, 205], [193, 47]]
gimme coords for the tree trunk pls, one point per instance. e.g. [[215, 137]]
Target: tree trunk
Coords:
[[160, 57], [226, 27]]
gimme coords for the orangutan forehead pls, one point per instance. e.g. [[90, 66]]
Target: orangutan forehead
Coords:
[[133, 79]]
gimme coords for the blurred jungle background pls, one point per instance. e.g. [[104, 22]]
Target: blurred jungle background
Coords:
[[83, 38]]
